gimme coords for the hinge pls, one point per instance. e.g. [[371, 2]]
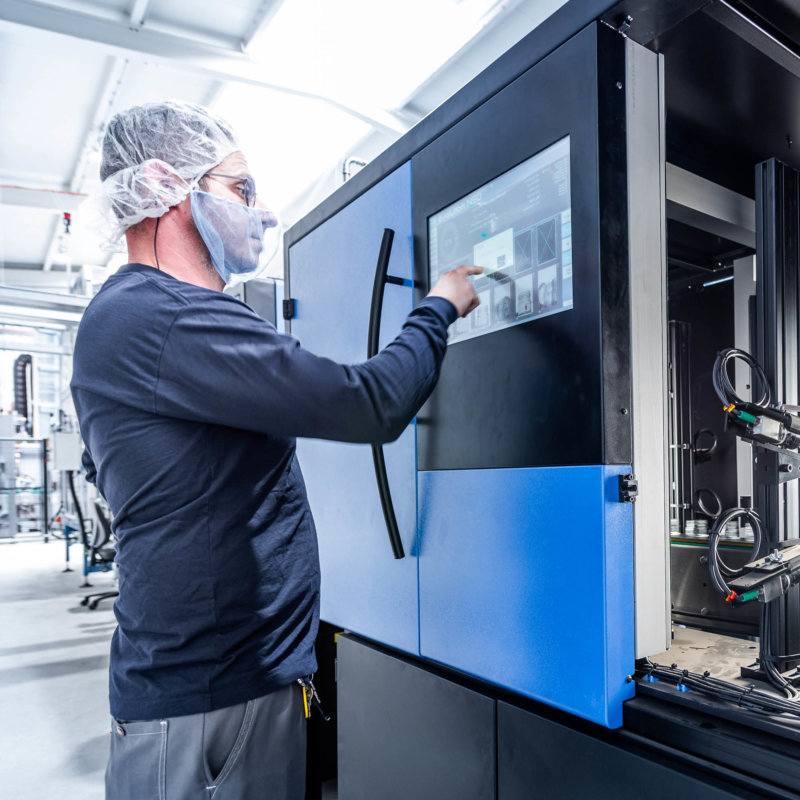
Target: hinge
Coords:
[[628, 488], [289, 308]]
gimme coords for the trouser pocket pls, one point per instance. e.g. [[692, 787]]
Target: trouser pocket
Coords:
[[225, 733], [137, 761]]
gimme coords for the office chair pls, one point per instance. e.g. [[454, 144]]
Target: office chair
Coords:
[[98, 556]]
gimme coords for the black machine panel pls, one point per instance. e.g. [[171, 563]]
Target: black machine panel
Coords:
[[539, 388], [531, 754], [405, 732]]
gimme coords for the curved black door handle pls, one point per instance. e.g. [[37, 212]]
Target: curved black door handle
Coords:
[[373, 337]]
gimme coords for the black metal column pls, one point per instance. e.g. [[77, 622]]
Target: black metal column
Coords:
[[777, 347]]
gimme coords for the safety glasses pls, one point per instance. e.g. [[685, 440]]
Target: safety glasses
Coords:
[[247, 183]]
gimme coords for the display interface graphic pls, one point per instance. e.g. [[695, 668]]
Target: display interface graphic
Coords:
[[518, 227]]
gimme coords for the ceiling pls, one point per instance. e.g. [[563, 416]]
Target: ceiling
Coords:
[[307, 84]]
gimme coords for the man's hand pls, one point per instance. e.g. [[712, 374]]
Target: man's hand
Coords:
[[455, 287]]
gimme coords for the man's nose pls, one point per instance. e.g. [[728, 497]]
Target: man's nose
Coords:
[[268, 217]]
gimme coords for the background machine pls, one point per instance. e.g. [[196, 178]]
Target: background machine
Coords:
[[507, 571]]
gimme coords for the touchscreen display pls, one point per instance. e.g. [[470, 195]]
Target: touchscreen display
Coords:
[[518, 227]]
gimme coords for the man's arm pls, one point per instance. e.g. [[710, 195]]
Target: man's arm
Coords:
[[235, 369]]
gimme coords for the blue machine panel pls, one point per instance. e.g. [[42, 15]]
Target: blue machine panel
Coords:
[[526, 580], [331, 272]]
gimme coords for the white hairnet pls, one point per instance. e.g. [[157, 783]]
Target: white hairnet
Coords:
[[152, 157]]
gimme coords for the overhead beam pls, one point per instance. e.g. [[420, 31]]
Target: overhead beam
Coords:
[[186, 54], [749, 30], [29, 302], [139, 11], [261, 20], [55, 200], [110, 34], [707, 206]]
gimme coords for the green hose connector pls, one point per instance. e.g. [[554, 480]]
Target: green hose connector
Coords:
[[743, 415], [749, 596]]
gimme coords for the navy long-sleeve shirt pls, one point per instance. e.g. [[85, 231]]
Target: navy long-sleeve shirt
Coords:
[[189, 406]]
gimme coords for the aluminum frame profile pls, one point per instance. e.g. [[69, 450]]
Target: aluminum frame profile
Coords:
[[648, 298], [709, 207]]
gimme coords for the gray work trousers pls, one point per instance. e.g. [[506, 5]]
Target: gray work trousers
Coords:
[[252, 751]]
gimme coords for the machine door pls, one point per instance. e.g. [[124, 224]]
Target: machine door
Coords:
[[331, 275], [526, 550]]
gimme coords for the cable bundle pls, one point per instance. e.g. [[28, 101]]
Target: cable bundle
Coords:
[[767, 660], [743, 696]]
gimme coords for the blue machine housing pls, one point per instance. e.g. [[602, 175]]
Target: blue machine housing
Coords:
[[526, 580], [518, 572]]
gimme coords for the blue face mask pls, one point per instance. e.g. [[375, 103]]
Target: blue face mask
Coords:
[[241, 240]]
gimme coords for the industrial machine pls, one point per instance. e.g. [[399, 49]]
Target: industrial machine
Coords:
[[511, 572]]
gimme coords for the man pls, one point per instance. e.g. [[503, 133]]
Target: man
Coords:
[[189, 406]]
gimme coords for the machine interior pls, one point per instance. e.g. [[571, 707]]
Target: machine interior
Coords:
[[732, 101]]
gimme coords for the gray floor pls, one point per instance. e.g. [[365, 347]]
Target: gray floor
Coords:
[[53, 675], [54, 718]]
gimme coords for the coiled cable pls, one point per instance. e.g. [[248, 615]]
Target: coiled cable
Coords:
[[702, 506], [718, 569], [722, 382]]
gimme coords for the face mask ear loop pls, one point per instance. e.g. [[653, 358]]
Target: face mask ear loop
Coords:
[[155, 249]]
